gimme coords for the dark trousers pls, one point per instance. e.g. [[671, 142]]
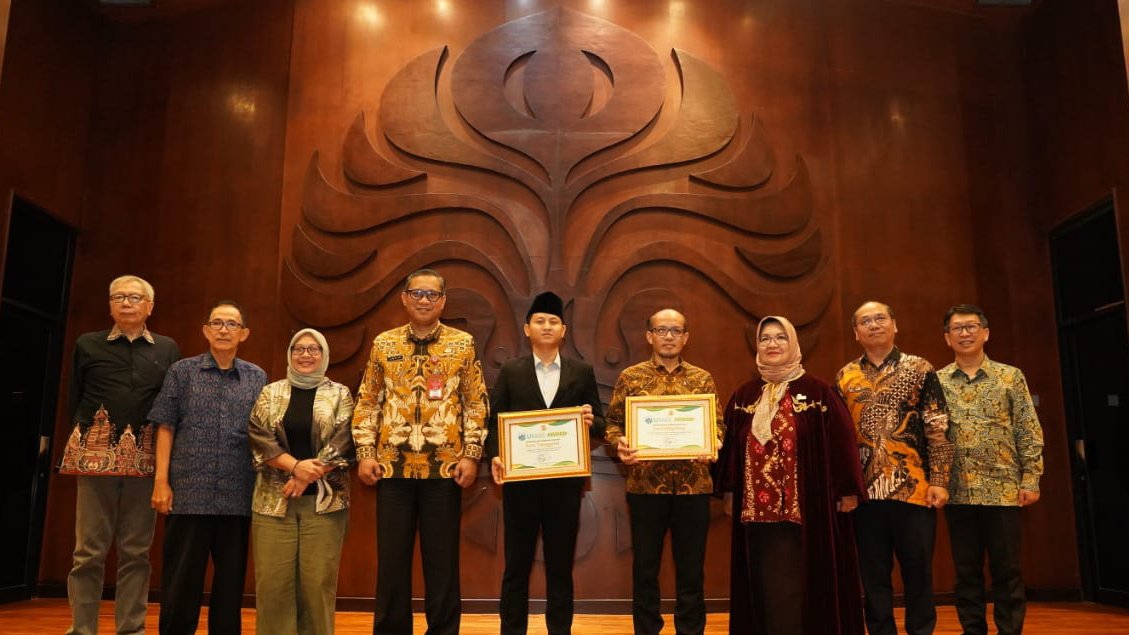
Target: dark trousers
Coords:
[[432, 506], [551, 507], [976, 530], [687, 517], [884, 529], [189, 541], [775, 557]]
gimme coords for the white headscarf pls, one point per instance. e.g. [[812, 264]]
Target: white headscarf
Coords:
[[307, 380]]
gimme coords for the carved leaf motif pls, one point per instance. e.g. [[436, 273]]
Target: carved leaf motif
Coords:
[[553, 153]]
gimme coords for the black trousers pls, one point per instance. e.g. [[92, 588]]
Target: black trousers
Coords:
[[884, 529], [775, 556], [687, 517], [976, 530], [189, 541], [551, 507], [432, 506]]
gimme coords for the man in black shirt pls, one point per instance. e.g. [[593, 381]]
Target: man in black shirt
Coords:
[[115, 377]]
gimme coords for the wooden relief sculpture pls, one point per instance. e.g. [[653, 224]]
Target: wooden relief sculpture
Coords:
[[560, 151]]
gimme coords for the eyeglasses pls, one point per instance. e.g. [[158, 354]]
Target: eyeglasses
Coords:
[[877, 320], [219, 325], [957, 329], [134, 298], [313, 349], [419, 294], [674, 331], [779, 338]]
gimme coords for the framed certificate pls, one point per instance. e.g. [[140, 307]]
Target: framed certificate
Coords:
[[540, 444], [667, 427]]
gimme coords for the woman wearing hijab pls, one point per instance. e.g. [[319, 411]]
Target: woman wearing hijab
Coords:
[[302, 445], [790, 460]]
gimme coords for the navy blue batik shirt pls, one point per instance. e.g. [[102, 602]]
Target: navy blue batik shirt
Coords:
[[208, 409]]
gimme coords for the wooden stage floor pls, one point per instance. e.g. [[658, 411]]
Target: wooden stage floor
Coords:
[[51, 617]]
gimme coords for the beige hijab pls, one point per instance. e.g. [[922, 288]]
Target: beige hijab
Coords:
[[307, 380], [776, 377]]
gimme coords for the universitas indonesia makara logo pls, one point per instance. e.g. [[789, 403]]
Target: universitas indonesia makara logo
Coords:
[[557, 151]]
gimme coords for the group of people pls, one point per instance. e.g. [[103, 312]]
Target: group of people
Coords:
[[826, 483]]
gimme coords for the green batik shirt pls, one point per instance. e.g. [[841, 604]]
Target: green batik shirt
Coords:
[[996, 433]]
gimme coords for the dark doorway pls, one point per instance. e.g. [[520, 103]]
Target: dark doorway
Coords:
[[33, 307], [1094, 343]]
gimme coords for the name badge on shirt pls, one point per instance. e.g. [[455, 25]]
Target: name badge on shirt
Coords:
[[435, 386]]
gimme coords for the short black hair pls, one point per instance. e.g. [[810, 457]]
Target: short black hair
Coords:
[[855, 315], [966, 309], [422, 273], [233, 304]]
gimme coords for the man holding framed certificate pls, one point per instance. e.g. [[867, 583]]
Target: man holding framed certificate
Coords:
[[541, 410], [666, 493]]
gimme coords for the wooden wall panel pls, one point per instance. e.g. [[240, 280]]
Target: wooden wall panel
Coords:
[[1077, 113], [48, 62], [183, 189], [303, 157], [896, 134]]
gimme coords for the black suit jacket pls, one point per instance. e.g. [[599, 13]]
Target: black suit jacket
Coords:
[[517, 391]]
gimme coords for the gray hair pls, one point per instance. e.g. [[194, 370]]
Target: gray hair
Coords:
[[120, 280]]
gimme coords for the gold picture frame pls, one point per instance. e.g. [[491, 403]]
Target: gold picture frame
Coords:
[[672, 427], [543, 444]]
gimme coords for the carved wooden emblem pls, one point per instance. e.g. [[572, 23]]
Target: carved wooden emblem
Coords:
[[560, 151]]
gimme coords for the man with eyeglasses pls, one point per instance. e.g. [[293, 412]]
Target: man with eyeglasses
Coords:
[[115, 377], [899, 411], [419, 429], [665, 496], [996, 470], [204, 479]]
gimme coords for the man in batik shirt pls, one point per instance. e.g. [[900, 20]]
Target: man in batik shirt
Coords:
[[898, 407], [996, 469], [419, 428], [116, 375], [665, 496]]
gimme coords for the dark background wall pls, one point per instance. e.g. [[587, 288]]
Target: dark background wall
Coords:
[[941, 143]]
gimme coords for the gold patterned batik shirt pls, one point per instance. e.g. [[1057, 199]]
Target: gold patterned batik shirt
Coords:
[[899, 412], [996, 435], [422, 403], [650, 378]]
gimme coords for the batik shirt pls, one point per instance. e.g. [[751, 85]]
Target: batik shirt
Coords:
[[422, 403], [651, 378], [113, 384], [771, 490], [332, 442], [899, 412], [996, 433], [208, 409]]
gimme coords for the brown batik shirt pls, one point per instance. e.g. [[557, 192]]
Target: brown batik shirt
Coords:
[[651, 378], [422, 403]]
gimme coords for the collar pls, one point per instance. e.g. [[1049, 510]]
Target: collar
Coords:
[[662, 369], [985, 369], [537, 363], [890, 359], [116, 333], [410, 336], [209, 363]]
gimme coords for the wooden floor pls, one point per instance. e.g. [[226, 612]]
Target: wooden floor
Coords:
[[43, 617]]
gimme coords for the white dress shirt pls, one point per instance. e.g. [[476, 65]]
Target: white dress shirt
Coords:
[[548, 377]]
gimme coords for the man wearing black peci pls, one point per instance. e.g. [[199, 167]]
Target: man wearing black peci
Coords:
[[541, 380]]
